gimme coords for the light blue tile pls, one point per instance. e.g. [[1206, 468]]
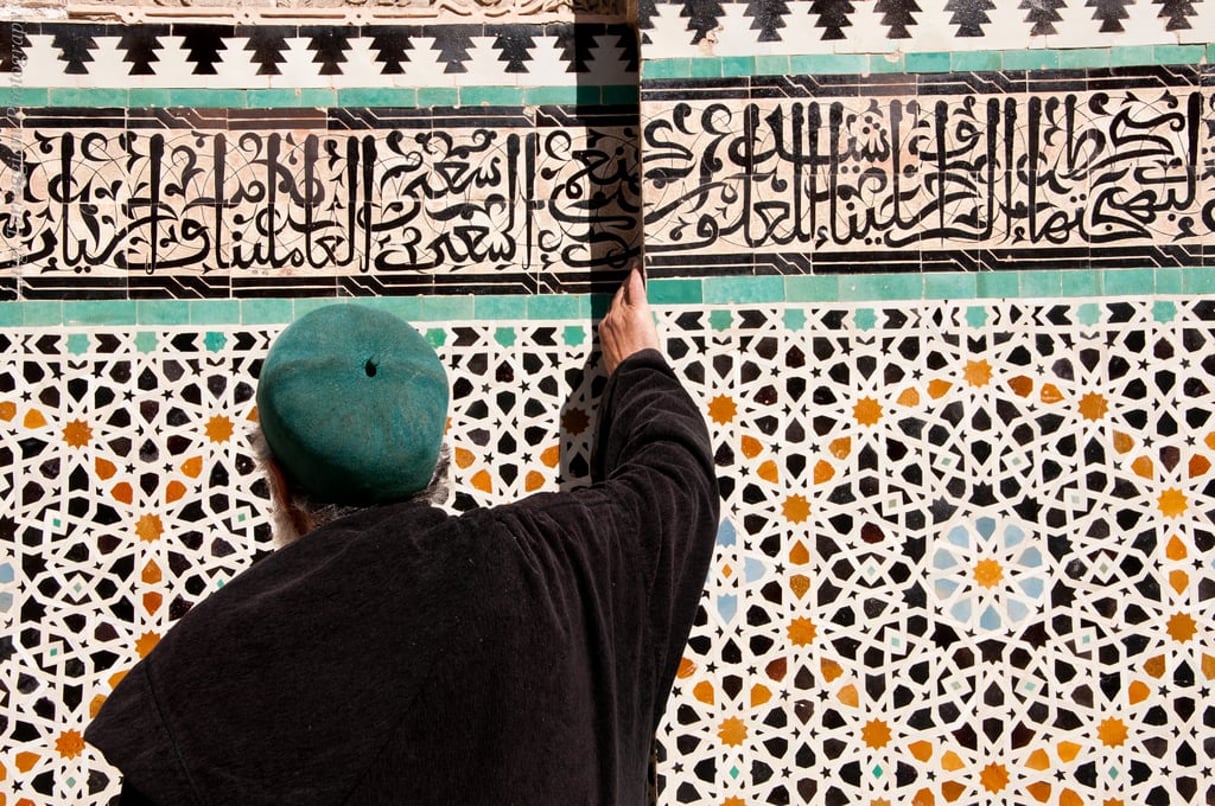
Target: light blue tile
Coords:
[[306, 305], [1199, 280], [143, 98], [29, 96], [407, 308], [927, 62], [667, 68], [764, 288], [1129, 281], [75, 96], [1083, 283], [881, 63], [737, 66], [1169, 280], [976, 60], [675, 292], [437, 96], [162, 312], [99, 312], [11, 314], [499, 307], [1132, 56], [993, 284], [705, 67], [767, 65], [267, 311], [215, 312], [448, 309], [378, 96], [1179, 54], [553, 306], [812, 288], [42, 312], [1041, 283], [950, 285], [884, 287], [1081, 58], [1031, 59]]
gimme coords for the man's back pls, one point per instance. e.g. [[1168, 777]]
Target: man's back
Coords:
[[518, 654]]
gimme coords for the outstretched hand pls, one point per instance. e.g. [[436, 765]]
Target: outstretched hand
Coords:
[[628, 326]]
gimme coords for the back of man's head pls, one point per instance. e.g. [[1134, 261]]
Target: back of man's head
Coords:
[[353, 405]]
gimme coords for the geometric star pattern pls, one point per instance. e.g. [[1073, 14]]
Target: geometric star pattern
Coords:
[[965, 556]]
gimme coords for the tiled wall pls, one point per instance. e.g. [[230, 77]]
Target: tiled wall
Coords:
[[938, 273]]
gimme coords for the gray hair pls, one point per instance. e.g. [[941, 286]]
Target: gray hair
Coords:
[[296, 512]]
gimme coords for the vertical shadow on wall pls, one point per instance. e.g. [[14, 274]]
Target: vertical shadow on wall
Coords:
[[605, 195]]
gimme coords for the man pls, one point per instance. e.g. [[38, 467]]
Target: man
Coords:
[[517, 654]]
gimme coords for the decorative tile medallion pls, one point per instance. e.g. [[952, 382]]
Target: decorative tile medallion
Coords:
[[966, 552]]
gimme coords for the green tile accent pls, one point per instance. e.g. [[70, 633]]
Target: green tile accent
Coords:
[[1131, 56], [795, 318], [1178, 54], [553, 306], [574, 94], [737, 66], [436, 336], [98, 312], [976, 60], [42, 312], [408, 308], [864, 318], [142, 97], [146, 341], [214, 311], [721, 319], [953, 285], [621, 94], [491, 96], [823, 63], [768, 65], [215, 341], [265, 311], [437, 96], [706, 67], [378, 96], [976, 316], [306, 305], [29, 96], [998, 284], [1199, 280], [886, 63], [765, 288], [927, 62], [1164, 311], [314, 97], [10, 314], [667, 68], [1211, 53], [812, 288], [209, 98], [674, 292], [1088, 314], [1082, 283], [505, 336], [1169, 280], [574, 335], [447, 309], [1129, 281], [78, 343], [860, 287], [1084, 57], [76, 96], [162, 312], [1031, 59], [1041, 283], [499, 307]]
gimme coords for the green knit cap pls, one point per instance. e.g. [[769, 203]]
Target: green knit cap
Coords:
[[353, 403]]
